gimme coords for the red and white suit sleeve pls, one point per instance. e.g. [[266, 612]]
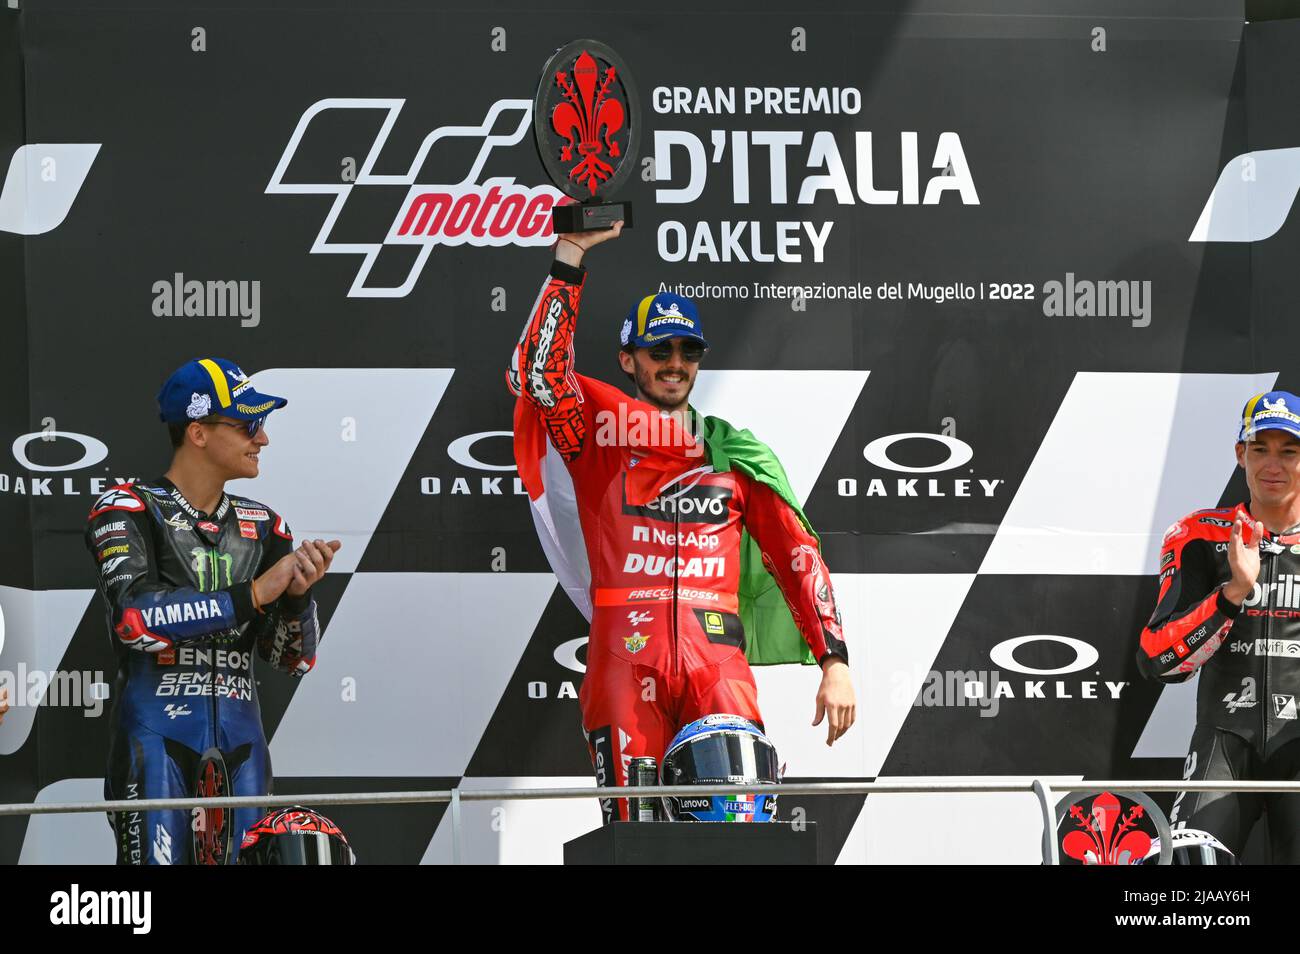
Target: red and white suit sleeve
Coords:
[[793, 557], [542, 366], [1192, 616]]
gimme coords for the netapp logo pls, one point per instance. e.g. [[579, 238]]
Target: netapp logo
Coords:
[[877, 453], [703, 503], [687, 538]]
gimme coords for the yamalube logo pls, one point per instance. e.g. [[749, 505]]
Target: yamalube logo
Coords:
[[881, 454], [493, 212]]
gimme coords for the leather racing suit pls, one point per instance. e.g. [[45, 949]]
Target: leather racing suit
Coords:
[[1248, 658], [177, 588], [666, 644]]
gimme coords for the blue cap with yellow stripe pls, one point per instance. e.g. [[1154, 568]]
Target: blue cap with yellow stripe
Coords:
[[660, 317], [212, 386], [1272, 410]]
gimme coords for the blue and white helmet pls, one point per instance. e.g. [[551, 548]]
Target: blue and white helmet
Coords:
[[721, 748]]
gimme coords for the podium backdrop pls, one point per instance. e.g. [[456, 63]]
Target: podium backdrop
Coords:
[[993, 282]]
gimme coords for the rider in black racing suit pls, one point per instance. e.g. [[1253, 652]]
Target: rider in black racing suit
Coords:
[[177, 590], [1229, 608], [189, 595]]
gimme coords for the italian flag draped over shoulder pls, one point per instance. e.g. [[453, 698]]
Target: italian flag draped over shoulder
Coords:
[[668, 455]]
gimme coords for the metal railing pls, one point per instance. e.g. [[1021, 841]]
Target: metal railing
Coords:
[[1042, 788]]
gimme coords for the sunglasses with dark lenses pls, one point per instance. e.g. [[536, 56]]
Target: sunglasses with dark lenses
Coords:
[[692, 351], [251, 428]]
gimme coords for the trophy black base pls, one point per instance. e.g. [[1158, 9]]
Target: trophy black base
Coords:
[[590, 216], [695, 843]]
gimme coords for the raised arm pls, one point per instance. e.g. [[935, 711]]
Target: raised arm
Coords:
[[1195, 609], [541, 367]]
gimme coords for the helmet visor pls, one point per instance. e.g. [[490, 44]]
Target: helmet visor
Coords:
[[298, 848], [724, 756]]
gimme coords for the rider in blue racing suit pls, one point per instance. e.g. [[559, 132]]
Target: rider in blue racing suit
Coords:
[[194, 579]]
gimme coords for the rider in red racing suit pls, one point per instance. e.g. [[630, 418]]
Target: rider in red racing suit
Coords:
[[666, 640]]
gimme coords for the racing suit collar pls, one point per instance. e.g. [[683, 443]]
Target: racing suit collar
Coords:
[[189, 508]]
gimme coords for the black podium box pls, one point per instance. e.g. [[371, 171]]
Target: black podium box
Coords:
[[695, 843]]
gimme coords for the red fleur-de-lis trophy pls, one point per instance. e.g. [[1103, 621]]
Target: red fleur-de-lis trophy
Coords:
[[1110, 828], [587, 126]]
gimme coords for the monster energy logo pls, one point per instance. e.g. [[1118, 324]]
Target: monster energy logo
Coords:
[[211, 560]]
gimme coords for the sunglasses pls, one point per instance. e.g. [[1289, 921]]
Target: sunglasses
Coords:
[[691, 351], [251, 428]]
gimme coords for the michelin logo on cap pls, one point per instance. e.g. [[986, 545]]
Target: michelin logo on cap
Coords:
[[1269, 411], [200, 406], [658, 317]]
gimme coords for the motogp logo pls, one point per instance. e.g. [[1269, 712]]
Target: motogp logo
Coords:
[[496, 212]]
